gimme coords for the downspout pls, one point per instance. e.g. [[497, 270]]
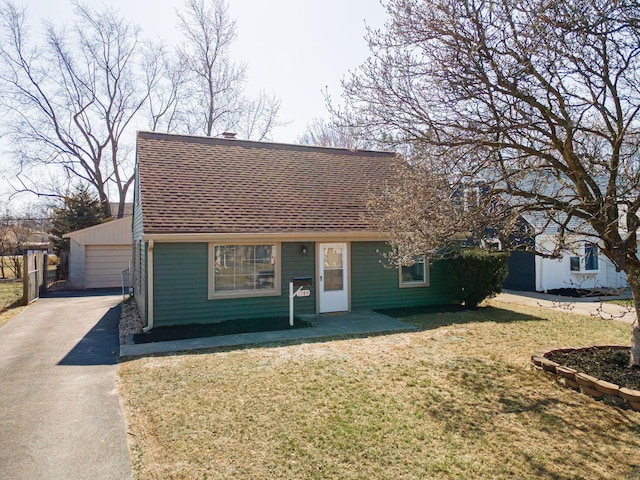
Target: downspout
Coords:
[[149, 288]]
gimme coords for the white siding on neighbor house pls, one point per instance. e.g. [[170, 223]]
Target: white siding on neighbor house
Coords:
[[104, 265], [556, 273]]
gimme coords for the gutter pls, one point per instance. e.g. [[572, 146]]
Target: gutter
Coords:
[[327, 236], [149, 288]]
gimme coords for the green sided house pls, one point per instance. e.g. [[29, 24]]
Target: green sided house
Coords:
[[221, 226]]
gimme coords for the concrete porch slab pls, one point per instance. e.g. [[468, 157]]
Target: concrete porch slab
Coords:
[[323, 326]]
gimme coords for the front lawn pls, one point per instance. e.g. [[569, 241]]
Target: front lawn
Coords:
[[456, 399]]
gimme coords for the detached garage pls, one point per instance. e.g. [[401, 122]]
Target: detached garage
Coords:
[[99, 254]]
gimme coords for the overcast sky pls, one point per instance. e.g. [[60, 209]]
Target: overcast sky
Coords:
[[293, 48]]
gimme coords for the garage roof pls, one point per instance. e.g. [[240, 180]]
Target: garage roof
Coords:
[[114, 232]]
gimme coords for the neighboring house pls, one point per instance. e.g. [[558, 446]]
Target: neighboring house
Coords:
[[99, 254], [581, 265], [222, 226]]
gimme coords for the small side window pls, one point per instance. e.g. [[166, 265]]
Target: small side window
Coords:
[[491, 244], [587, 260], [415, 275], [575, 264]]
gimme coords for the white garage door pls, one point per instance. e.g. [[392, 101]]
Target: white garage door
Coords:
[[104, 265]]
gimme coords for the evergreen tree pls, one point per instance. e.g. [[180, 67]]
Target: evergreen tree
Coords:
[[79, 210]]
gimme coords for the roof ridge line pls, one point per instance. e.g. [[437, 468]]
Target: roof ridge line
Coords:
[[258, 144]]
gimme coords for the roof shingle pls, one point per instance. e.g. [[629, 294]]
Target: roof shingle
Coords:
[[212, 185]]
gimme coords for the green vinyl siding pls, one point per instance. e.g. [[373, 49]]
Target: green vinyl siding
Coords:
[[373, 285], [294, 264], [141, 295], [181, 286], [138, 229], [140, 267]]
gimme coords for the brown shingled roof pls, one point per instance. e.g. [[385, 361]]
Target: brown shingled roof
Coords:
[[212, 185]]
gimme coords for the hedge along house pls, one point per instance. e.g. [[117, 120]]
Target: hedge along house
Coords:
[[221, 226]]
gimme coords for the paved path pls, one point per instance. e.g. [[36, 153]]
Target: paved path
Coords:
[[325, 326], [593, 306], [60, 416]]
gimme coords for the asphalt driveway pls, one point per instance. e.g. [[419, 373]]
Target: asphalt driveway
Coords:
[[60, 416]]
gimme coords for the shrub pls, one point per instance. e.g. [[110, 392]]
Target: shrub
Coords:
[[477, 274]]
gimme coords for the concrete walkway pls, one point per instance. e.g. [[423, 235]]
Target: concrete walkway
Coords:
[[60, 416], [592, 306], [324, 326]]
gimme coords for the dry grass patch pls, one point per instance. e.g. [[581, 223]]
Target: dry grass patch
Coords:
[[10, 294], [11, 263], [10, 299], [454, 400]]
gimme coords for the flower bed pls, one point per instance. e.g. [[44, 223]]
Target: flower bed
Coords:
[[597, 388]]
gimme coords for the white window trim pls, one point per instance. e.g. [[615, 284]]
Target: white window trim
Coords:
[[274, 292], [414, 284], [582, 257]]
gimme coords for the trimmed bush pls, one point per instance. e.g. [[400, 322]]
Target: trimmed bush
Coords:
[[477, 274]]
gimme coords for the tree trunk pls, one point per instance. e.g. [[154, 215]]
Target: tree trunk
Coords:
[[635, 328], [106, 206]]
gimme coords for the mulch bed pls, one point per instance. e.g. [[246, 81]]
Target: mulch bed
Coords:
[[230, 327], [609, 364], [578, 292]]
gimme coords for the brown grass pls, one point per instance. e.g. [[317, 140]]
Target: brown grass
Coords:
[[456, 399], [10, 299], [8, 263]]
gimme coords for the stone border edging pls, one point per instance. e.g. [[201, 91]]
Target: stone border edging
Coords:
[[582, 382]]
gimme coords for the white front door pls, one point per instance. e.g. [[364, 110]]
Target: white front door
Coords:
[[333, 277]]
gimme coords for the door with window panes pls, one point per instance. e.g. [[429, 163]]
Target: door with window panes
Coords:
[[333, 277]]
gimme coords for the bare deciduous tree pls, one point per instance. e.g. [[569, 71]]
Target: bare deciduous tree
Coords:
[[539, 99], [20, 230], [323, 134], [7, 246], [71, 101], [426, 213], [214, 99], [165, 71]]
